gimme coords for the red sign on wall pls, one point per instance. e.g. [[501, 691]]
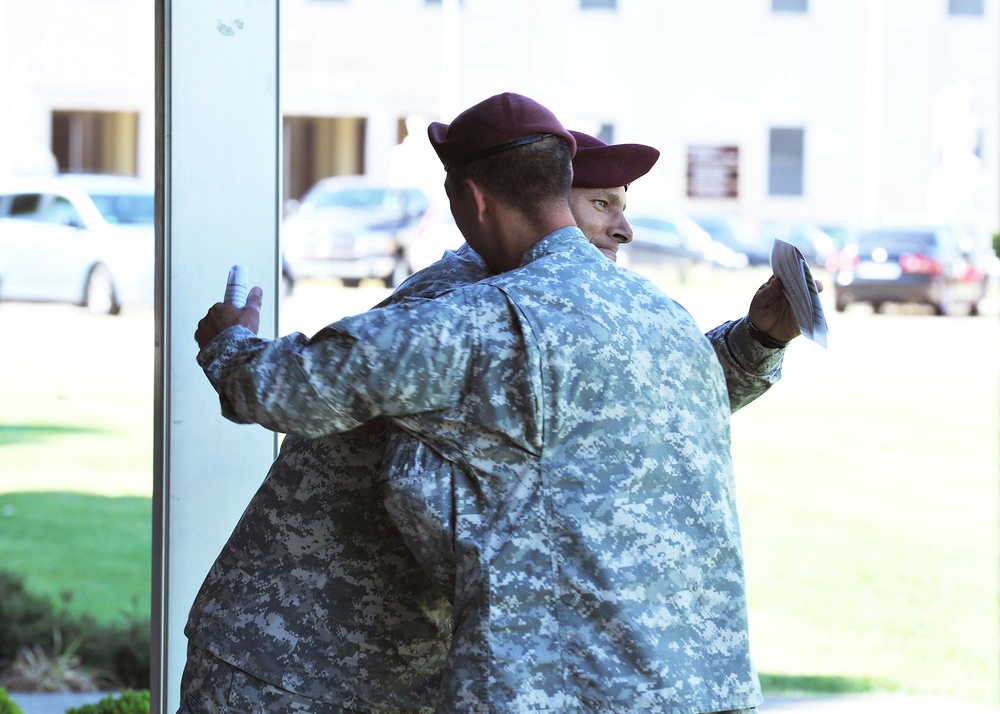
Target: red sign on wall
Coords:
[[713, 171]]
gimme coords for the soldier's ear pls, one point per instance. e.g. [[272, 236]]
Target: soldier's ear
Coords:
[[481, 197]]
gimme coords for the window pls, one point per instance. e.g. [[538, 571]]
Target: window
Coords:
[[102, 142], [25, 205], [598, 4], [317, 147], [965, 7], [789, 5], [61, 212], [785, 162]]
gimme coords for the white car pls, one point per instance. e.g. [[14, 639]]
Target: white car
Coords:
[[667, 237], [80, 238]]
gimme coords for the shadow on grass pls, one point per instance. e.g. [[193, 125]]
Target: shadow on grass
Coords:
[[38, 433], [818, 684]]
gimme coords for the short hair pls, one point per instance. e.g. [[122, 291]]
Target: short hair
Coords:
[[528, 177]]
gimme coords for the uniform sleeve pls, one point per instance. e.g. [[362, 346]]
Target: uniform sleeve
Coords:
[[400, 359], [750, 368], [456, 268]]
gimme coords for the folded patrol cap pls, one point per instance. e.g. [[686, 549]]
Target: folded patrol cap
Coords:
[[496, 124], [597, 165]]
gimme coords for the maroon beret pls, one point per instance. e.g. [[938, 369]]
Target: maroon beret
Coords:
[[501, 122], [597, 165]]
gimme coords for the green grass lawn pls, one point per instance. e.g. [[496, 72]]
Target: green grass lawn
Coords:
[[76, 445], [96, 548], [867, 485]]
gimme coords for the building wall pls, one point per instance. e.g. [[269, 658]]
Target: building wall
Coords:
[[884, 89]]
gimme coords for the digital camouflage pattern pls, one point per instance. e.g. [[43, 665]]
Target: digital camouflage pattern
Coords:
[[569, 488], [315, 592]]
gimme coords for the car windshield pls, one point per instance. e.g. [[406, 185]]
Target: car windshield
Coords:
[[125, 209], [365, 199], [897, 241]]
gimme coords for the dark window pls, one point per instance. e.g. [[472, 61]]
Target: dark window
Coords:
[[785, 169], [100, 142], [965, 7], [789, 5], [598, 4], [25, 205]]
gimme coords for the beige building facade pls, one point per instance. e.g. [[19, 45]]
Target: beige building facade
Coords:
[[839, 111]]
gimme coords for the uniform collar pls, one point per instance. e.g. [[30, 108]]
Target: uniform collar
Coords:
[[551, 242]]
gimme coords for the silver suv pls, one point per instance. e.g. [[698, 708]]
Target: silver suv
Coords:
[[351, 228]]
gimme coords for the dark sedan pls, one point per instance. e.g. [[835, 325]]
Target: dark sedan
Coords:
[[925, 265]]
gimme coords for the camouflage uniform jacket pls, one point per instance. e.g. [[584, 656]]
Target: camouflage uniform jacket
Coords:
[[570, 485], [315, 591]]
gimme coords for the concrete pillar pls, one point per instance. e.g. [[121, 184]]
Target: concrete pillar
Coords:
[[218, 190]]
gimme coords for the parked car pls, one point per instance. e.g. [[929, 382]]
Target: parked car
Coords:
[[666, 238], [815, 244], [80, 238], [921, 264], [352, 228], [731, 230], [840, 235]]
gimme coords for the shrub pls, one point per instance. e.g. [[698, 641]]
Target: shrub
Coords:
[[24, 618], [122, 650], [128, 702], [8, 705], [32, 637], [35, 670]]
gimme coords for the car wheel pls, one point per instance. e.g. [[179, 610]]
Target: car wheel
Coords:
[[942, 308], [99, 294], [351, 282]]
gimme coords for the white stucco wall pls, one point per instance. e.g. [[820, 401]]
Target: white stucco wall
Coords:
[[664, 72]]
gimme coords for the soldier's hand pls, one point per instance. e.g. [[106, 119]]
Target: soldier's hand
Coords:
[[222, 316], [771, 313]]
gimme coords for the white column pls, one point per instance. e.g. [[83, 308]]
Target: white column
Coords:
[[218, 185]]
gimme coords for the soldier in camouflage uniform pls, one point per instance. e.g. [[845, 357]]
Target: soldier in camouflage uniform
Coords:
[[490, 497]]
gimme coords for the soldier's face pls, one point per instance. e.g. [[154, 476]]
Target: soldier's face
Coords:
[[600, 214]]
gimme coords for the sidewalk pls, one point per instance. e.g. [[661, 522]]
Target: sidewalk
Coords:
[[870, 704], [848, 704]]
